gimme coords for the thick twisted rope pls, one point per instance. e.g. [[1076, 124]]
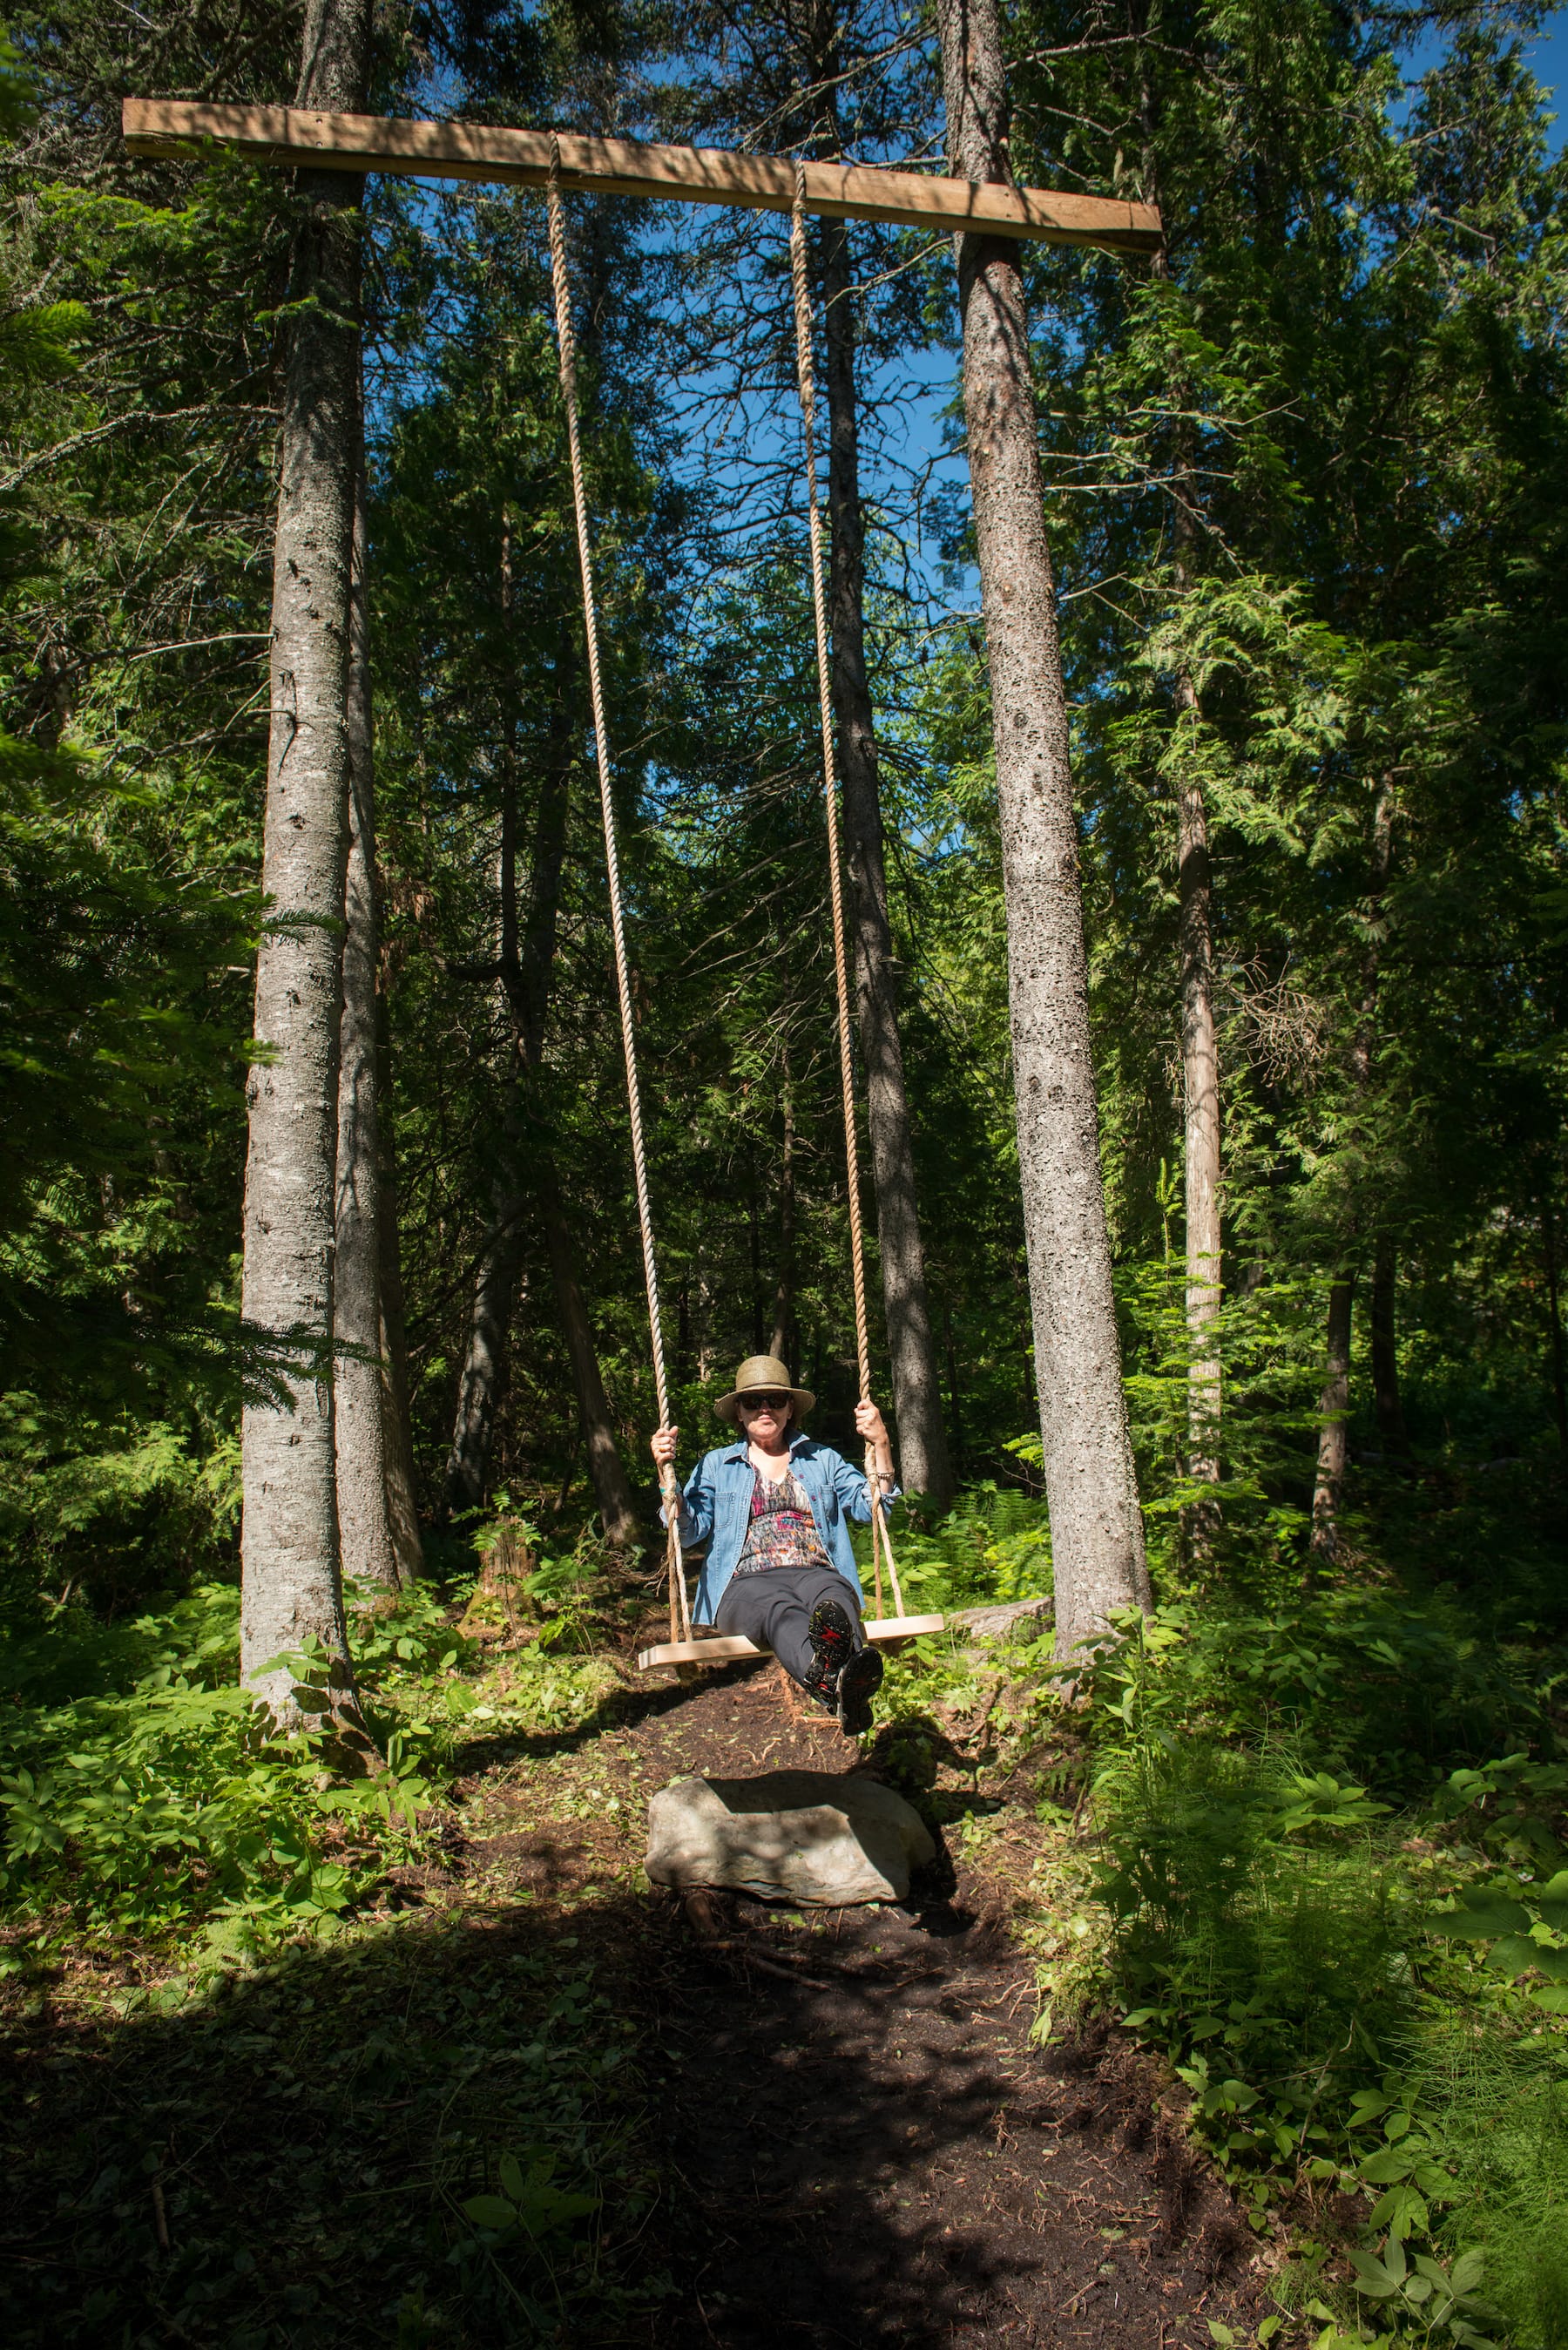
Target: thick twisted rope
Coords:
[[805, 379], [680, 1611]]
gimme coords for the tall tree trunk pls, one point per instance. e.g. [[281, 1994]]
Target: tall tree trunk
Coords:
[[481, 1381], [292, 1585], [530, 977], [1385, 1348], [496, 1275], [1334, 1403], [1199, 1049], [1334, 1407], [754, 1245], [1091, 1486], [1554, 1312], [397, 1424], [784, 1286], [612, 1489], [1200, 1075], [916, 1393], [955, 1406], [527, 970], [364, 1522]]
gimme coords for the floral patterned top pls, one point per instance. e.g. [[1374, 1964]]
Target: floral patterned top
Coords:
[[783, 1531]]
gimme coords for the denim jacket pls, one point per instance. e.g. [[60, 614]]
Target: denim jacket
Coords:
[[716, 1509]]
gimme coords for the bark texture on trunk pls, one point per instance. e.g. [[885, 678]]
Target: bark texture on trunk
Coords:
[[481, 1381], [529, 975], [1200, 1075], [923, 1457], [612, 1489], [1333, 1404], [291, 1585], [784, 1331], [396, 1423], [527, 970], [1554, 1314], [1385, 1395], [1091, 1487], [369, 1553]]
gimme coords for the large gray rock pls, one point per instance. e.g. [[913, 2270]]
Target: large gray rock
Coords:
[[805, 1836]]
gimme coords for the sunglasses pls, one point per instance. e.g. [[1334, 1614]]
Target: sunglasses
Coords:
[[773, 1403]]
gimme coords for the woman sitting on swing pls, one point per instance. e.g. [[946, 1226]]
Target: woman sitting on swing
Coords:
[[772, 1509]]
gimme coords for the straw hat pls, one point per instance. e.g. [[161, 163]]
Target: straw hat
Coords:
[[763, 1374]]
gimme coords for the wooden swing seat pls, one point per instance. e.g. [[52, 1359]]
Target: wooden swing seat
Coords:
[[723, 1647]]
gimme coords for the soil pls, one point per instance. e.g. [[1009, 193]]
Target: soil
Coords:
[[866, 2144]]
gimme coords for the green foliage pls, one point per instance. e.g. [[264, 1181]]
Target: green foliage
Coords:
[[1271, 1927], [1306, 487], [1436, 2303], [1258, 1931], [994, 1546], [152, 1805], [1502, 2101]]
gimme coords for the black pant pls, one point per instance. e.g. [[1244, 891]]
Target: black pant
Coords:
[[773, 1608]]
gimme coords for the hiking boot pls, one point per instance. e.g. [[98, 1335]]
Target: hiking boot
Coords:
[[832, 1646], [859, 1679]]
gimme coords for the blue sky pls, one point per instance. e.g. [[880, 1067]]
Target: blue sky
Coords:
[[1548, 63]]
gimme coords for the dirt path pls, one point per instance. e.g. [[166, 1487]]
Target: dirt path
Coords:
[[865, 2145]]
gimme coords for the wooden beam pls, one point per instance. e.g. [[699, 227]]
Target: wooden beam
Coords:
[[626, 166]]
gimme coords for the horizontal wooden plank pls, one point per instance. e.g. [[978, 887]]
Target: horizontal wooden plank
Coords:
[[724, 1647], [627, 167]]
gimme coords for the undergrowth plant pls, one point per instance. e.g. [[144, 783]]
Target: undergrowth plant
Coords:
[[992, 1548], [157, 1808], [1353, 1958]]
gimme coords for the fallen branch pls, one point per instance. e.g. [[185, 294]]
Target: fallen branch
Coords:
[[990, 1623]]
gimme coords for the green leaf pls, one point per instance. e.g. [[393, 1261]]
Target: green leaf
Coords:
[[1513, 1955], [1551, 1899], [1478, 1920], [1372, 2278], [491, 2211], [1467, 2272], [547, 2208], [1393, 2163], [1554, 2002]]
